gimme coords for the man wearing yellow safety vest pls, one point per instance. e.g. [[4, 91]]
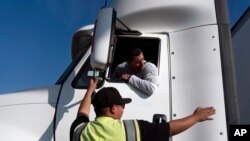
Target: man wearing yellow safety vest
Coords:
[[107, 126]]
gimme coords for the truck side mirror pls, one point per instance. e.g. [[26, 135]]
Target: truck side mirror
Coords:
[[103, 41]]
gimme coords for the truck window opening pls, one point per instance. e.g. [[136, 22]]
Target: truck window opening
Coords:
[[148, 45]]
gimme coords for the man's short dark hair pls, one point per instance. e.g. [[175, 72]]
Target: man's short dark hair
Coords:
[[134, 51]]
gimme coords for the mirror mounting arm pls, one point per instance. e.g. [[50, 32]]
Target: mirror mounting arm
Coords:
[[120, 31]]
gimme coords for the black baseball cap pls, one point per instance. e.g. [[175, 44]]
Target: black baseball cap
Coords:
[[107, 97]]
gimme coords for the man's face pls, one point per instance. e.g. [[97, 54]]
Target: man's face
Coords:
[[137, 63]]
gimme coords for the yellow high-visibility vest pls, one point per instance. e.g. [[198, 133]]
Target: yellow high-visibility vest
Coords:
[[107, 129]]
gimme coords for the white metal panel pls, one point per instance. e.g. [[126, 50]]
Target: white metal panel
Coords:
[[28, 115], [39, 95], [30, 122], [197, 81], [165, 15]]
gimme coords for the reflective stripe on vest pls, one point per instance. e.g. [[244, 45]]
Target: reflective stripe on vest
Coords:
[[78, 131], [131, 130]]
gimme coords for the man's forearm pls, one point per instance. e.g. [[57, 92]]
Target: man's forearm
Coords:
[[86, 102], [180, 125], [144, 85]]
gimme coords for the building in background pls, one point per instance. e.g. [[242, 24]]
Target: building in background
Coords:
[[241, 46]]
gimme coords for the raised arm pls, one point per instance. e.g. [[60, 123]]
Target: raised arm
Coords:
[[199, 115], [86, 102]]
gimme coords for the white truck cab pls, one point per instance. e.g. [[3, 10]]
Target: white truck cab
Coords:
[[188, 41]]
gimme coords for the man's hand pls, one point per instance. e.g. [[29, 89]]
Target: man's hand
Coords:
[[203, 114], [125, 76], [92, 84], [200, 114]]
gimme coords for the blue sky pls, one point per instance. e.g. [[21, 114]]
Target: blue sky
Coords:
[[35, 38]]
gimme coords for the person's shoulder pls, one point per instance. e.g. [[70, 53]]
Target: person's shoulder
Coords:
[[150, 65], [122, 65], [142, 122], [81, 118]]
